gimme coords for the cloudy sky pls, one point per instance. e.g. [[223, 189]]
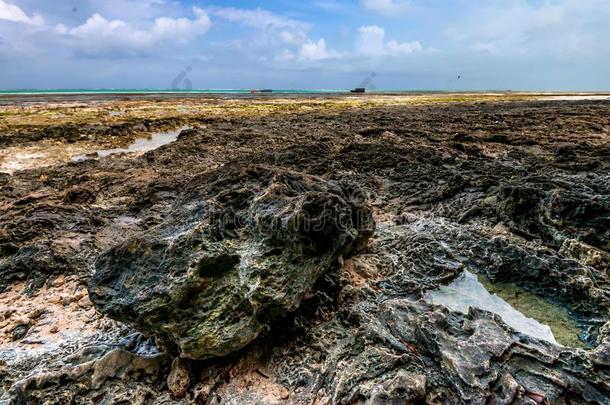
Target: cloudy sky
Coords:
[[406, 44]]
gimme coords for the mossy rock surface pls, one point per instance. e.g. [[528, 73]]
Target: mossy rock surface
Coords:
[[241, 246]]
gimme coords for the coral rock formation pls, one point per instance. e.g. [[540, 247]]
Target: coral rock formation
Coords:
[[209, 278]]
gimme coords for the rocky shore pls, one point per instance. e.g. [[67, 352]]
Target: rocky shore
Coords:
[[285, 251]]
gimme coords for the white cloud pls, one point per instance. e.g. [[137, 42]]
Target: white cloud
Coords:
[[508, 26], [563, 27], [316, 51], [387, 7], [371, 42], [285, 56], [293, 38], [99, 35], [257, 18], [404, 48], [131, 10], [11, 12], [276, 37]]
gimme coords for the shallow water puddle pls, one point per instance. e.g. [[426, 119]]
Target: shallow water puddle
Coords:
[[42, 154], [46, 153], [140, 145], [20, 161], [525, 312], [589, 97]]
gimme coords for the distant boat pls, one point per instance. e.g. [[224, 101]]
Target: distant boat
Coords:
[[359, 90], [262, 91]]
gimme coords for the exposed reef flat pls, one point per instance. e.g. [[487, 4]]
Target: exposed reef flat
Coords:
[[281, 250]]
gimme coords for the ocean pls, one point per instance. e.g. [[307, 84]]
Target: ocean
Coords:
[[157, 91]]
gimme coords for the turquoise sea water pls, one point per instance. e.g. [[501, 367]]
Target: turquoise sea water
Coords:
[[156, 91], [218, 91]]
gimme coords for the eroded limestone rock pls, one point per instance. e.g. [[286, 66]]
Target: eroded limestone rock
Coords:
[[68, 383], [242, 247]]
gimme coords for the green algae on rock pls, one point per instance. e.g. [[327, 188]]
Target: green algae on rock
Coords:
[[523, 311], [564, 327]]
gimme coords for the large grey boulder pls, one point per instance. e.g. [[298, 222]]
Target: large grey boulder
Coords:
[[242, 245]]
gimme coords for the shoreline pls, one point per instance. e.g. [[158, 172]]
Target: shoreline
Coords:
[[24, 96]]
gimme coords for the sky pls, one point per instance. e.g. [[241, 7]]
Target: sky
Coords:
[[319, 44]]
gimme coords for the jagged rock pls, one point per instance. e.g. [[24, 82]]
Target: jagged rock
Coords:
[[478, 351], [564, 153], [81, 375], [178, 380], [405, 388], [20, 331], [501, 258], [587, 255], [444, 203], [235, 253], [555, 215]]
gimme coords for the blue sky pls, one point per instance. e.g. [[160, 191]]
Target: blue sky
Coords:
[[408, 44]]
